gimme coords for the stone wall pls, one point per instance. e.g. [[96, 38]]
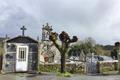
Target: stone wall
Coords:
[[102, 67], [72, 68], [108, 66]]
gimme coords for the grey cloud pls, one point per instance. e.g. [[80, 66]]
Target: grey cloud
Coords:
[[83, 18], [16, 18]]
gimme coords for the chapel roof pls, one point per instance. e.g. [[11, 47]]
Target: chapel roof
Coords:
[[22, 39]]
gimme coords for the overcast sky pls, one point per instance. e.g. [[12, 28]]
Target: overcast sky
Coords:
[[99, 19]]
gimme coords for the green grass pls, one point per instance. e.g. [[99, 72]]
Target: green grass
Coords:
[[66, 74]]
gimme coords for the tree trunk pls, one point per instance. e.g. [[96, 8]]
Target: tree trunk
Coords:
[[62, 62]]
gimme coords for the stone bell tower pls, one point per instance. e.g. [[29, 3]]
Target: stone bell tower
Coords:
[[46, 31], [48, 52]]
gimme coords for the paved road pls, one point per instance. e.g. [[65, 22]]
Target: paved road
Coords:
[[54, 77]]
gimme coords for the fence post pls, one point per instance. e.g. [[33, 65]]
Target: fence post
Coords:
[[98, 67]]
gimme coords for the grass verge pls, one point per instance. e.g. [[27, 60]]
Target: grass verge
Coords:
[[66, 74]]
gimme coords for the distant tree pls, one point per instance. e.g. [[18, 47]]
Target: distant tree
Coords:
[[86, 46], [98, 49], [90, 41], [75, 50], [63, 48], [108, 47], [115, 51]]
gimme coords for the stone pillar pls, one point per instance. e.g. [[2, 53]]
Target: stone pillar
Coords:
[[98, 67], [119, 61]]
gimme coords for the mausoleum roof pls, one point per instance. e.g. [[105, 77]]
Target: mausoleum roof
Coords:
[[22, 39]]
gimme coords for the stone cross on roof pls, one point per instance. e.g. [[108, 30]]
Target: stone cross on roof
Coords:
[[23, 30], [47, 27]]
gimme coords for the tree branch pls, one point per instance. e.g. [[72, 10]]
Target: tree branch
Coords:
[[57, 46]]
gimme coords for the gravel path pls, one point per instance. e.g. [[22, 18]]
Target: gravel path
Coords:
[[24, 76]]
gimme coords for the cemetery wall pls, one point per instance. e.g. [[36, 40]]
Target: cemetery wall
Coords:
[[72, 68], [107, 67], [104, 67]]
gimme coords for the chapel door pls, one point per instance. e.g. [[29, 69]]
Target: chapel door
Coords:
[[22, 58]]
